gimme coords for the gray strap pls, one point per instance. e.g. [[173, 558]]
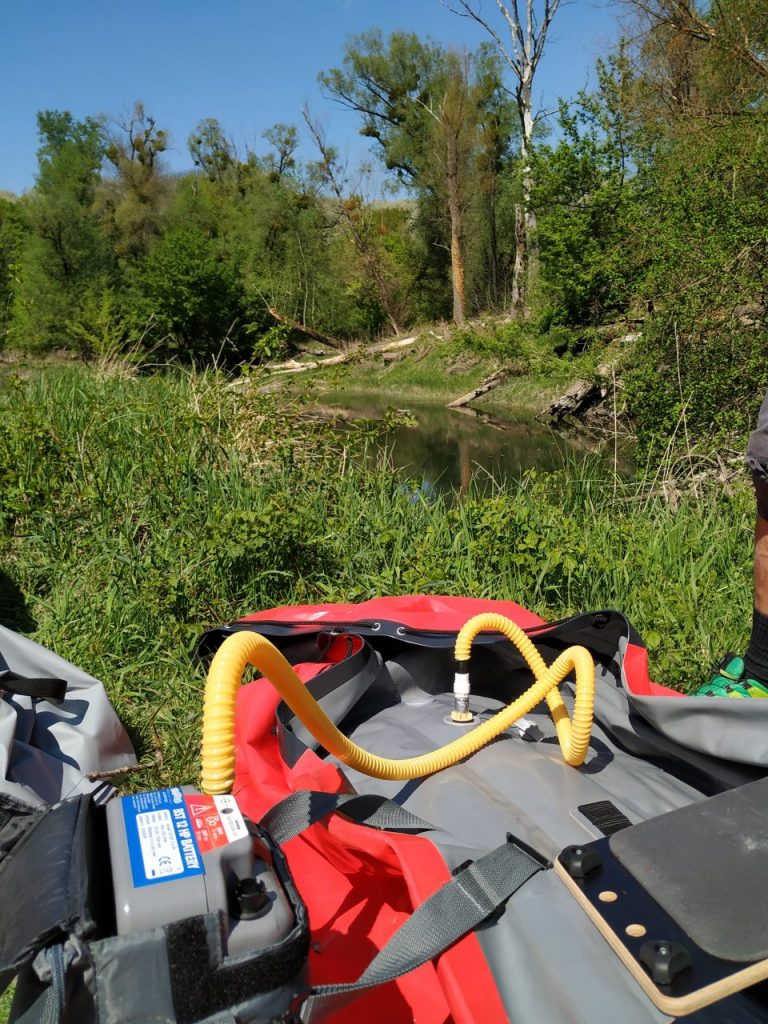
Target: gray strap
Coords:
[[454, 910], [44, 1010], [298, 811], [50, 1005]]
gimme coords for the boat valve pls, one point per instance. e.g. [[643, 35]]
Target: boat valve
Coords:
[[461, 712]]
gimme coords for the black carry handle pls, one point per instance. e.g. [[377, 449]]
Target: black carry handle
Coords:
[[46, 688]]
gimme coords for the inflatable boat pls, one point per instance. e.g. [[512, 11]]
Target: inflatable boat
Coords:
[[416, 809]]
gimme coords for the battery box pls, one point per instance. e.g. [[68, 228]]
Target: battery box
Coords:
[[177, 853]]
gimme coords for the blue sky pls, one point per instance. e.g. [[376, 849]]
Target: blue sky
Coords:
[[249, 63]]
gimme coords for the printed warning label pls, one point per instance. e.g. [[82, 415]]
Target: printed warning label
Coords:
[[161, 841], [215, 820]]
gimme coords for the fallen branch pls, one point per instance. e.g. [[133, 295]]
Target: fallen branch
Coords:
[[576, 400], [294, 366], [487, 385], [310, 332], [389, 346]]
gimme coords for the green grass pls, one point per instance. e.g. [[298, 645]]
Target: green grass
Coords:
[[137, 511], [442, 370]]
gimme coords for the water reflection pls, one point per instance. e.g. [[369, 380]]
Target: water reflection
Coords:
[[449, 448]]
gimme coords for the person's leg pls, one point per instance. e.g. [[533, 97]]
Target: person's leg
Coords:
[[761, 564], [748, 676], [756, 658]]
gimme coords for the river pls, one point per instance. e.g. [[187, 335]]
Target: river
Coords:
[[449, 448]]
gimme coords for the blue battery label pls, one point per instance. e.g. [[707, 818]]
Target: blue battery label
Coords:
[[161, 842]]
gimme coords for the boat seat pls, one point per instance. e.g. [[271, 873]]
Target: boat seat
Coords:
[[682, 898]]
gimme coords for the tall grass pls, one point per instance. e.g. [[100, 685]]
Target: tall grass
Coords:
[[136, 511]]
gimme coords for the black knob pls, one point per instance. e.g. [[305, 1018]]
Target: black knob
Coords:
[[252, 898], [664, 960], [578, 861]]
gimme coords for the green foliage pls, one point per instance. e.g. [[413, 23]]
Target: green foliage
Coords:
[[586, 194], [701, 370], [504, 341], [99, 329], [64, 249], [11, 242], [189, 297], [270, 344]]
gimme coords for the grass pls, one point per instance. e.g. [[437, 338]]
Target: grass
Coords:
[[137, 511], [441, 370]]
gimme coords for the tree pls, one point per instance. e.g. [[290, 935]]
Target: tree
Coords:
[[284, 138], [695, 108], [12, 229], [210, 150], [351, 212], [588, 195], [187, 299], [134, 203], [64, 254], [528, 40], [736, 30], [424, 108], [453, 130]]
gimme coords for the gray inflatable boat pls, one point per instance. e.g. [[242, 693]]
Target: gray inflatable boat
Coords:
[[353, 853]]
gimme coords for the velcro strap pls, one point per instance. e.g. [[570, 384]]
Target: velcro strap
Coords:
[[606, 816]]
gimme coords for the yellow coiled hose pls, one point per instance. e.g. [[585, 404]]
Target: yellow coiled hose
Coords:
[[246, 648]]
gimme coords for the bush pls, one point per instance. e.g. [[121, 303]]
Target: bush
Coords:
[[188, 298]]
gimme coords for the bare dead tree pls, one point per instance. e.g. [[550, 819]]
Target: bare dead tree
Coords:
[[528, 35]]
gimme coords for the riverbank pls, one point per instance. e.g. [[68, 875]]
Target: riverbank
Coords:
[[137, 511], [440, 367]]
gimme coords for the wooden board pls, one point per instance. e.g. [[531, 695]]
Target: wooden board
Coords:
[[708, 979]]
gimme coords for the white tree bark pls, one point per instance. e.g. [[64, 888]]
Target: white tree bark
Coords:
[[528, 34]]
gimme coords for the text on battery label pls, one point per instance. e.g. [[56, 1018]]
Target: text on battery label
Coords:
[[159, 848], [161, 841]]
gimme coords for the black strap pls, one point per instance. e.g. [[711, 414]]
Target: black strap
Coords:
[[606, 816], [297, 812], [46, 688], [457, 907], [337, 689]]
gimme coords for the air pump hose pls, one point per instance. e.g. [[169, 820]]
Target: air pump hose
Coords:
[[247, 648], [572, 734]]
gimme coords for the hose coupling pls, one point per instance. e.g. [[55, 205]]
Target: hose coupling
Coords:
[[461, 712]]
